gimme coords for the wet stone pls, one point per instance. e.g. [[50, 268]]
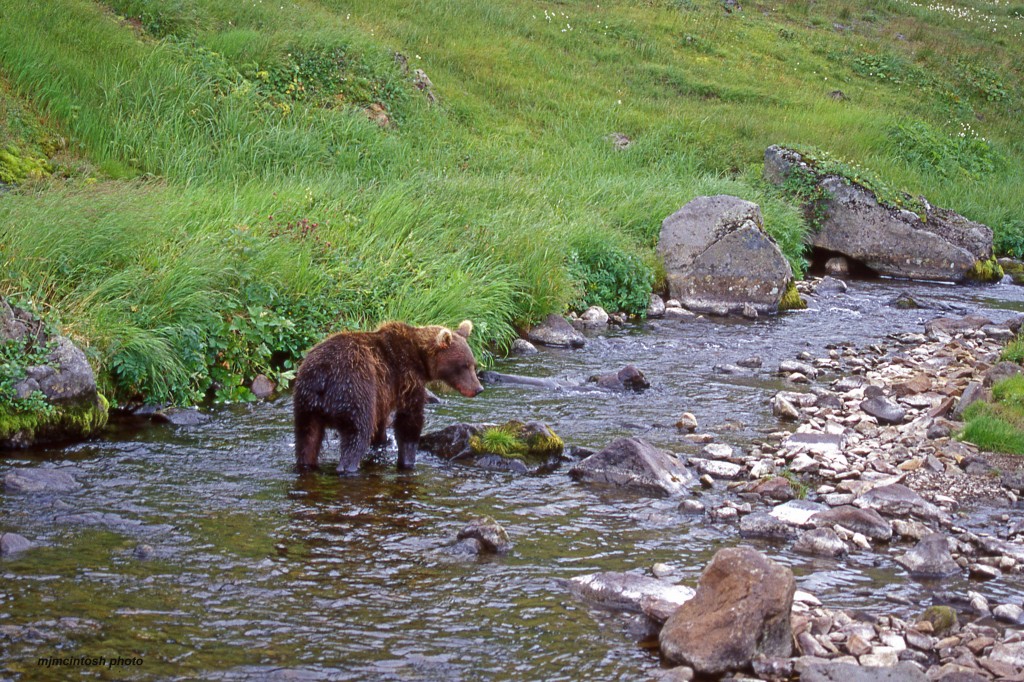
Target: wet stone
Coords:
[[766, 526], [38, 480], [898, 500], [179, 416], [556, 331], [523, 347], [634, 463], [627, 591], [776, 488], [492, 536], [741, 609], [821, 542], [797, 512], [866, 521], [1009, 613], [717, 469]]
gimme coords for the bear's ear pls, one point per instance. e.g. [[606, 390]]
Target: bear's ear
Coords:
[[465, 329], [444, 338]]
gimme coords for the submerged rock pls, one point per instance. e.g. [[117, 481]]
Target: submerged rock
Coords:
[[629, 592], [635, 464], [37, 480], [492, 537], [741, 609], [821, 542], [718, 258], [930, 558]]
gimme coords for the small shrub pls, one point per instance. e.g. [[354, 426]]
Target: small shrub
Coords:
[[963, 154], [160, 18], [1010, 239], [982, 82], [824, 163], [608, 276]]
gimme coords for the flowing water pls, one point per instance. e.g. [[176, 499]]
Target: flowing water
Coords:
[[250, 571]]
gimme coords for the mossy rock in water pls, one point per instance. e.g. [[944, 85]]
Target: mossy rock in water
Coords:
[[514, 446], [985, 271], [21, 428], [518, 440], [791, 299], [1013, 268], [942, 618]]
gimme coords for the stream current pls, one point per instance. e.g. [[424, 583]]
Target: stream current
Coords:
[[199, 551]]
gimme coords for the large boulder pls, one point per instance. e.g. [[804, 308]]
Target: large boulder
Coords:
[[54, 396], [941, 245], [635, 464], [718, 258], [741, 609]]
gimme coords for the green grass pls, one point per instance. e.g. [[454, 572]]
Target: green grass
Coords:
[[218, 198], [998, 426]]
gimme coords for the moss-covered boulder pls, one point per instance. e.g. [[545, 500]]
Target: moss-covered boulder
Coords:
[[515, 446], [878, 230], [47, 388]]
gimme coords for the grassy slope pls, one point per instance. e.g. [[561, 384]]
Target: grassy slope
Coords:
[[214, 224]]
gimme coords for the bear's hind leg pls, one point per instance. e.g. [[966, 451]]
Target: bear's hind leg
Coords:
[[309, 435], [354, 444]]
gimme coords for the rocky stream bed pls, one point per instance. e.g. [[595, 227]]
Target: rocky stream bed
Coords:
[[821, 438]]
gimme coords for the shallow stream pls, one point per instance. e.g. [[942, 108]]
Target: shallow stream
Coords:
[[251, 571]]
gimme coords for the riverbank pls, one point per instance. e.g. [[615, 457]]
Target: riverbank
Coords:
[[381, 166]]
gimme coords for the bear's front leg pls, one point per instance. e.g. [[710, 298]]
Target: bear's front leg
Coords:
[[408, 426]]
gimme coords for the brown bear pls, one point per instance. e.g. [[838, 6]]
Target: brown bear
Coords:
[[353, 381]]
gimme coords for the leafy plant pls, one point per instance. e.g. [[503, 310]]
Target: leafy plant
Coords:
[[609, 277], [960, 155], [824, 164]]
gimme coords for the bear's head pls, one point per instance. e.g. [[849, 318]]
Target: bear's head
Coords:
[[453, 361]]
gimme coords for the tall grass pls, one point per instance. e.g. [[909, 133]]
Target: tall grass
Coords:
[[231, 217]]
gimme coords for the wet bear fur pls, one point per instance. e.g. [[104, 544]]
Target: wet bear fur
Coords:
[[353, 381]]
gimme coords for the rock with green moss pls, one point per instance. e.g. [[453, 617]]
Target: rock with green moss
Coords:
[[515, 446], [791, 299], [942, 618], [986, 271], [886, 231], [1013, 268], [48, 394]]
